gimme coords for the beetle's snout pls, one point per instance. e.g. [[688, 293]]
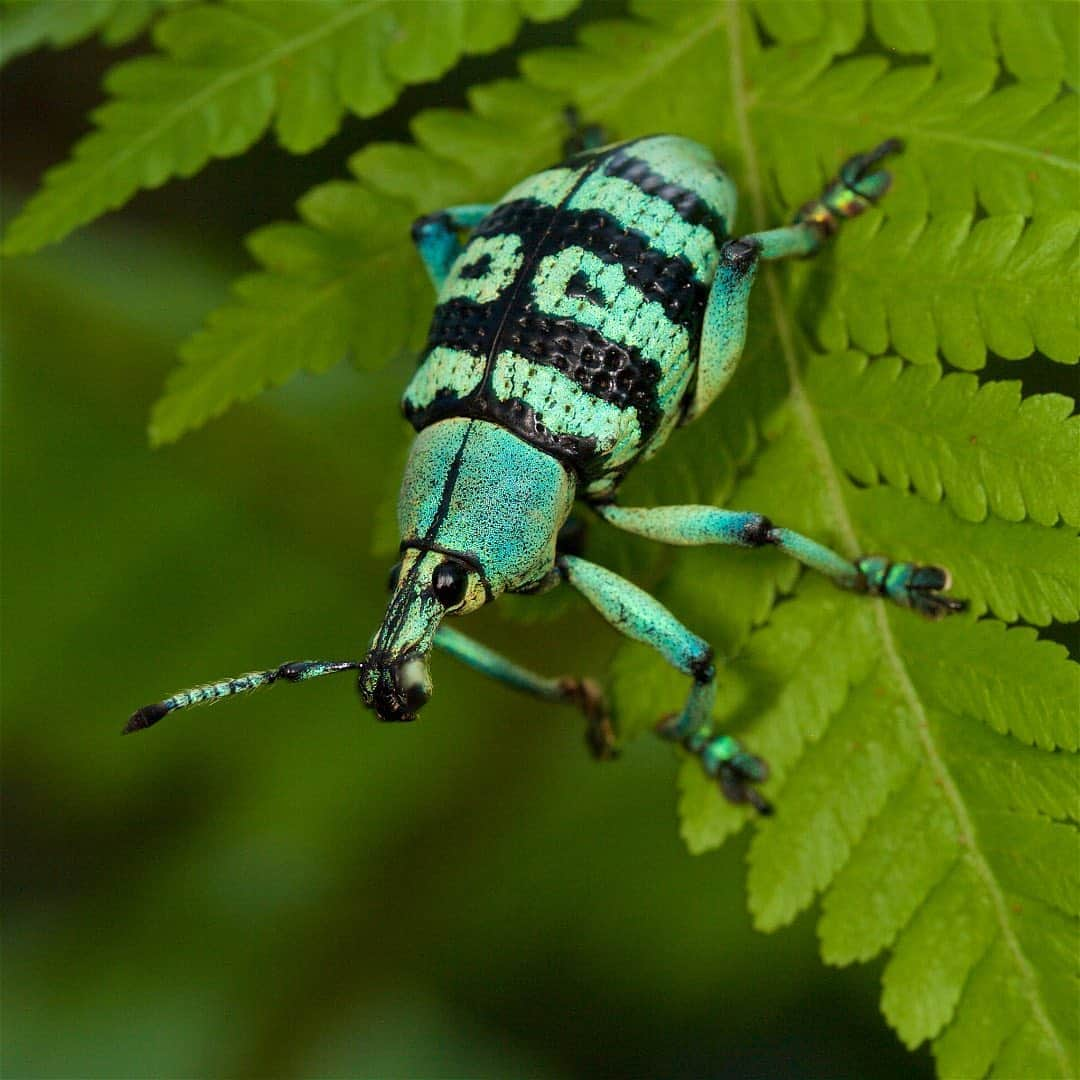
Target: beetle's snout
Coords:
[[395, 690]]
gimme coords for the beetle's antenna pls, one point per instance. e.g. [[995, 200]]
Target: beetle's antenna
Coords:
[[296, 671]]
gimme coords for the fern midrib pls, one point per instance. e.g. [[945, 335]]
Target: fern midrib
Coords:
[[223, 82], [804, 412], [899, 127]]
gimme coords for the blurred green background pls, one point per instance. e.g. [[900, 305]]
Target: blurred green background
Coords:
[[281, 886]]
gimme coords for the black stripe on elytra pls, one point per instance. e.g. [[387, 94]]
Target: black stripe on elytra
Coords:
[[669, 280], [578, 287], [606, 369], [477, 268], [689, 205]]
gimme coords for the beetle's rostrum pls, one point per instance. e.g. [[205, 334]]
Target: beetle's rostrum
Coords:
[[578, 321]]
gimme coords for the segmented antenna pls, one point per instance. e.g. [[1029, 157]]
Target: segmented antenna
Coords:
[[295, 671]]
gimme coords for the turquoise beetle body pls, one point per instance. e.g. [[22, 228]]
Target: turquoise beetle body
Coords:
[[573, 315], [578, 321]]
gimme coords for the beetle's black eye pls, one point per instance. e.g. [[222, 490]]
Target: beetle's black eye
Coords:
[[449, 583], [394, 578]]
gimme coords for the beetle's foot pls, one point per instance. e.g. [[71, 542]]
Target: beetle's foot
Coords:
[[858, 186], [600, 735], [724, 759], [857, 175], [583, 138], [910, 585]]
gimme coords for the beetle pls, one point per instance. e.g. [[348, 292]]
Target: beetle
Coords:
[[599, 304]]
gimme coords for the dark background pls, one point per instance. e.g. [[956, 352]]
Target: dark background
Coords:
[[281, 886]]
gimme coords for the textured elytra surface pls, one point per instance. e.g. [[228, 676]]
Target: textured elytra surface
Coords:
[[583, 293]]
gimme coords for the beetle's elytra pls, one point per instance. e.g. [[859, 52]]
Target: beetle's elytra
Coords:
[[598, 305]]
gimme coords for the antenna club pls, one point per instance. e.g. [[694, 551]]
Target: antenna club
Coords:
[[145, 717]]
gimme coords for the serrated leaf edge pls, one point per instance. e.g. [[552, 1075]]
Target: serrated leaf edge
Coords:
[[803, 414]]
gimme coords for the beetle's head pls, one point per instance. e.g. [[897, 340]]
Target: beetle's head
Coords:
[[479, 512], [424, 586]]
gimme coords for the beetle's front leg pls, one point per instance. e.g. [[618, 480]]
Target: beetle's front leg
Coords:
[[907, 584], [584, 693], [436, 237], [639, 616]]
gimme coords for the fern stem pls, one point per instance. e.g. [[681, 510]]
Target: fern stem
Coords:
[[803, 411]]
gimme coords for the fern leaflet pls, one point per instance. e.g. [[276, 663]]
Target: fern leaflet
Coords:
[[224, 73], [28, 24], [940, 284]]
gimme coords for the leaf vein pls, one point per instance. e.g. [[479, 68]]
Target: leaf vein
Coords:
[[803, 411]]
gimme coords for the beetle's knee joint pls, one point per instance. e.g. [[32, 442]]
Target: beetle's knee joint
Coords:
[[741, 254], [758, 531], [424, 226], [703, 668]]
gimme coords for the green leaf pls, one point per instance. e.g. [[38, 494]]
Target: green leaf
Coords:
[[907, 27], [984, 448], [223, 74], [864, 755], [940, 284], [1012, 149], [307, 311], [26, 25], [924, 775], [348, 281], [982, 670]]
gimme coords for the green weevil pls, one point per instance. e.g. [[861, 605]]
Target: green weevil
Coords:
[[597, 306]]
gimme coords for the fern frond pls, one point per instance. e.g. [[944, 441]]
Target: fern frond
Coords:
[[1035, 42], [1012, 149], [982, 670], [925, 836], [28, 24], [923, 773], [223, 74], [348, 281], [983, 448], [306, 311], [940, 284]]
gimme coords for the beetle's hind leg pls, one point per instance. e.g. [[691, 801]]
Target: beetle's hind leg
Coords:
[[723, 331], [600, 735]]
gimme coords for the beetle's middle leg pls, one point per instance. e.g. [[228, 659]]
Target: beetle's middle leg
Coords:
[[908, 584], [584, 693], [639, 616]]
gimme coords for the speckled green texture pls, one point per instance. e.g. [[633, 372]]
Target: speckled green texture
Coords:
[[602, 268], [473, 487]]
